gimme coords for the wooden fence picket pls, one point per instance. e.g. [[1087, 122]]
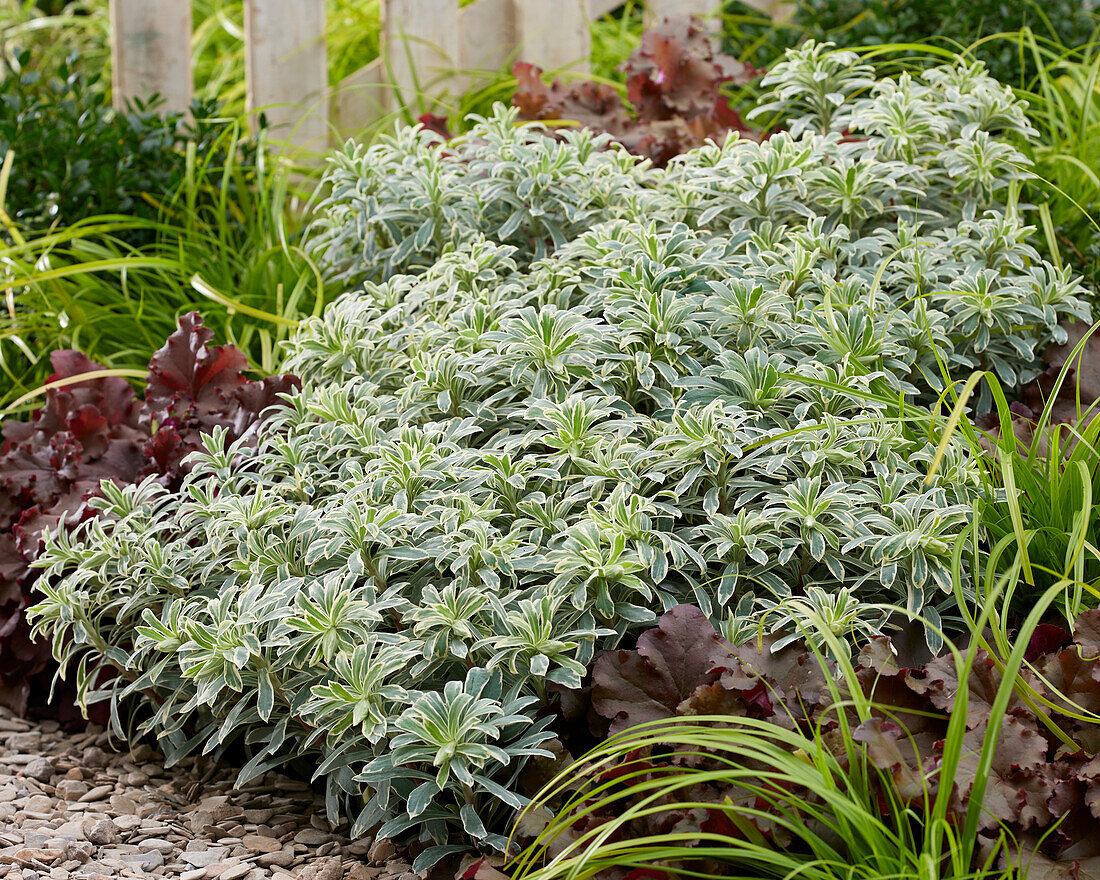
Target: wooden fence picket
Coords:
[[151, 47], [421, 45], [554, 35], [486, 32], [286, 68]]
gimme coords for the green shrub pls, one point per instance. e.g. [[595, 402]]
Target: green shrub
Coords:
[[99, 161], [37, 38], [572, 392]]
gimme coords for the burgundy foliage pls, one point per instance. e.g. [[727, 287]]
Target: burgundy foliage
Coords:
[[97, 429], [683, 668], [673, 81], [438, 124]]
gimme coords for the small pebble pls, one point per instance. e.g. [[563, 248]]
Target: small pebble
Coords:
[[284, 858], [40, 769], [312, 837], [232, 872], [71, 789], [101, 832], [381, 851], [96, 794], [259, 844], [156, 844]]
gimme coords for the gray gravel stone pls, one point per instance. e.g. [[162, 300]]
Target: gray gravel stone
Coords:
[[157, 844], [39, 768], [101, 832], [71, 789], [96, 794], [94, 758], [284, 858], [325, 869], [79, 851], [204, 859]]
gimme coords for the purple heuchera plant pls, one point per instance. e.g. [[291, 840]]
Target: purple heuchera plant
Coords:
[[674, 83], [1043, 791], [98, 429]]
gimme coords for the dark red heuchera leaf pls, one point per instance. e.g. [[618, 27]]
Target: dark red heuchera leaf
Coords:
[[1046, 639], [673, 81], [792, 676], [593, 105], [912, 772], [1042, 792], [647, 874], [676, 71], [188, 375], [681, 654], [97, 429], [1019, 787], [438, 124], [1074, 674], [1086, 632], [49, 466], [194, 387]]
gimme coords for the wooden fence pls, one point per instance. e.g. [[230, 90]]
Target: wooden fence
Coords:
[[286, 63]]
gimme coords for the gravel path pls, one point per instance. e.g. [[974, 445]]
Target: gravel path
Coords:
[[71, 807]]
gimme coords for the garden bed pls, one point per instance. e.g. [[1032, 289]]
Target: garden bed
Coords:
[[667, 490]]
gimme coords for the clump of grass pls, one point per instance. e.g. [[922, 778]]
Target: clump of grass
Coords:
[[1038, 515], [1064, 99], [855, 826], [225, 243]]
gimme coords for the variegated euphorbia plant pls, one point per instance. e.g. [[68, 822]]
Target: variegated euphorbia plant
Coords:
[[566, 392]]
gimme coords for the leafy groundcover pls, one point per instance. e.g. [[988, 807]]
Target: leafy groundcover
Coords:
[[98, 429], [564, 392]]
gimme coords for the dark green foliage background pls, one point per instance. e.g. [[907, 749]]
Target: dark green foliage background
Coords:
[[77, 157], [954, 24]]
